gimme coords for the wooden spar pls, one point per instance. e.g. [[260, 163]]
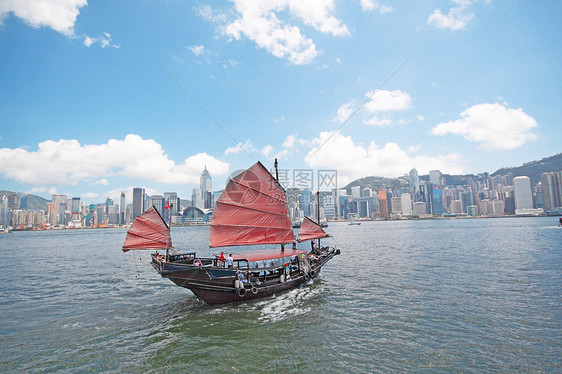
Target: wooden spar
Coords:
[[318, 212]]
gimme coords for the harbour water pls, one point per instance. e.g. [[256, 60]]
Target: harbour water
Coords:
[[466, 295]]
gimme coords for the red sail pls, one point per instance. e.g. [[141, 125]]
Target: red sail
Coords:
[[251, 210], [148, 231], [310, 230]]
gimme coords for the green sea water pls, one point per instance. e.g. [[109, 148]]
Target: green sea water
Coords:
[[466, 295]]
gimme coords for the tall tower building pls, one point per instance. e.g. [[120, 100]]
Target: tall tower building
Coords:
[[435, 177], [4, 211], [551, 185], [138, 202], [122, 207], [522, 193], [383, 204], [415, 185], [206, 189]]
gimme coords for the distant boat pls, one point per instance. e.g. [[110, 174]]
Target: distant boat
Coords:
[[351, 218], [252, 210]]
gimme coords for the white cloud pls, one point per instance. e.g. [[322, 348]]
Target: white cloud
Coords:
[[68, 162], [344, 112], [494, 126], [247, 146], [385, 101], [336, 151], [456, 19], [290, 141], [60, 15], [266, 151], [197, 49], [368, 5], [103, 182], [420, 118], [104, 40], [267, 24], [375, 121]]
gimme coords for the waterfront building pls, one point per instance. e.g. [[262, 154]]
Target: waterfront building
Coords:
[[159, 203], [356, 191], [138, 202], [4, 213], [206, 185], [406, 204], [367, 192], [304, 202], [551, 186], [197, 198], [60, 207], [329, 207], [435, 177], [472, 210], [172, 198], [522, 194], [383, 204], [396, 205], [419, 209], [75, 208], [13, 201], [122, 208], [437, 200], [414, 180], [456, 207]]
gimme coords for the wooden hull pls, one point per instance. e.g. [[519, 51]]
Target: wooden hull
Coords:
[[215, 285]]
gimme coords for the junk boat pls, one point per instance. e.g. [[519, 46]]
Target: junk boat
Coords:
[[252, 210]]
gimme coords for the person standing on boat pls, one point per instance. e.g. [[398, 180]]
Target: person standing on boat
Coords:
[[230, 261], [221, 260]]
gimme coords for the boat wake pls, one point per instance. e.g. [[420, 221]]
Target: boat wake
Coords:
[[289, 304]]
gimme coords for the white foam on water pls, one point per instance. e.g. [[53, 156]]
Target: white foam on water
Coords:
[[288, 304]]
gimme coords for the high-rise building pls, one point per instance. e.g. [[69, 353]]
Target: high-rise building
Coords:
[[551, 186], [4, 211], [206, 186], [383, 204], [415, 185], [522, 193], [138, 202], [406, 204], [396, 205], [197, 199], [435, 177], [356, 191], [437, 200], [159, 203], [305, 199], [75, 208], [122, 208]]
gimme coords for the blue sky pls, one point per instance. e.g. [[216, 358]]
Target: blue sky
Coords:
[[99, 97]]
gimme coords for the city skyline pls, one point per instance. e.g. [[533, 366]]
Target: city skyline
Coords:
[[98, 103]]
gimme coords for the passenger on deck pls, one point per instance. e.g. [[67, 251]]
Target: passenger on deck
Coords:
[[197, 262], [230, 261], [221, 260]]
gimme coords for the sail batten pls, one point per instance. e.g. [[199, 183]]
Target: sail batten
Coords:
[[251, 210], [148, 231], [310, 230]]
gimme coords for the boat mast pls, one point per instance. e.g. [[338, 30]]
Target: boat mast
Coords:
[[318, 212], [169, 228], [277, 179]]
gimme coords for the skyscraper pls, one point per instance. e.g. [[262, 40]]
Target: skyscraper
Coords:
[[415, 185], [122, 207], [551, 185], [435, 177], [383, 204], [138, 202], [206, 189], [437, 200], [522, 193]]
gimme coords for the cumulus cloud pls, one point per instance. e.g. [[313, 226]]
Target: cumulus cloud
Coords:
[[268, 24], [60, 15], [197, 49], [368, 5], [104, 40], [344, 112], [247, 146], [332, 150], [67, 162], [456, 19], [385, 101], [494, 126], [380, 101]]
